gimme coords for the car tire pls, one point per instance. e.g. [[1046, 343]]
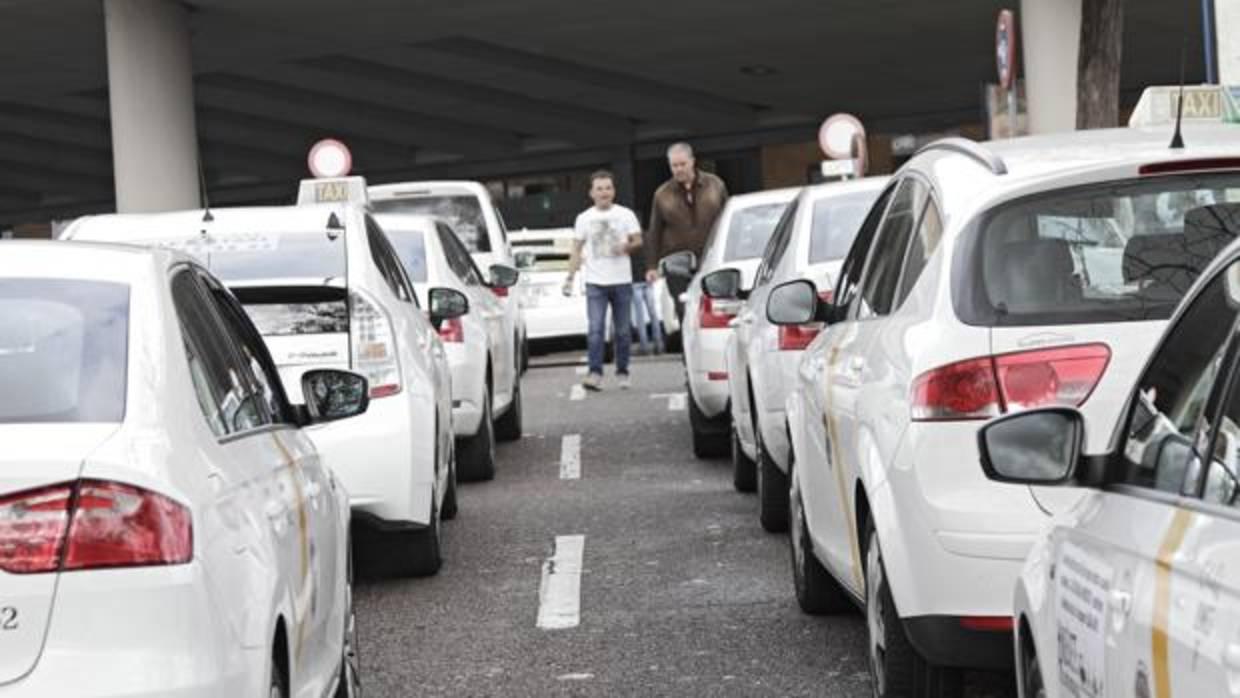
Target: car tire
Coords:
[[279, 682], [525, 355], [508, 427], [449, 497], [349, 683], [744, 470], [708, 441], [897, 670], [1031, 673], [772, 491], [476, 454], [817, 591]]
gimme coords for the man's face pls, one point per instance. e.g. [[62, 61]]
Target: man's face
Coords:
[[603, 192], [682, 166]]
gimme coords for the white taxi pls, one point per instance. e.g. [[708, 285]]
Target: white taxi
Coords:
[[326, 290], [468, 208], [810, 242], [166, 526], [988, 277], [486, 382], [1136, 590], [733, 247]]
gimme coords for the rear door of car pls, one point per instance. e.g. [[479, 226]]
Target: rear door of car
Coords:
[[487, 307]]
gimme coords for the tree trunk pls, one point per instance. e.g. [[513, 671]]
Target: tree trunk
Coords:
[[1097, 86]]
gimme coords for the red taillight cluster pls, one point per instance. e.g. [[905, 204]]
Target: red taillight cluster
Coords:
[[452, 330], [715, 313], [92, 524], [988, 386]]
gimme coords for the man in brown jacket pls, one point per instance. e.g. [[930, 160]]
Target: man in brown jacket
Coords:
[[682, 213]]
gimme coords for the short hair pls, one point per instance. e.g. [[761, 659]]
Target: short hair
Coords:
[[602, 174], [682, 147]]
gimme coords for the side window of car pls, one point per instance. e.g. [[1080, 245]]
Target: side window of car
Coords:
[[458, 257], [385, 259], [253, 351], [850, 273], [1177, 397], [777, 245], [878, 285], [1221, 484], [925, 241], [220, 387]]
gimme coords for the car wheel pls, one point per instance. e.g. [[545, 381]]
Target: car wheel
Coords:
[[279, 682], [1031, 673], [708, 440], [508, 428], [476, 454], [525, 355], [772, 491], [744, 470], [349, 682], [817, 591], [449, 497], [896, 668]]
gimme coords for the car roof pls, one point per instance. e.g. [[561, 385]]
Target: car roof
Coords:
[[398, 190], [759, 198], [409, 221], [135, 227], [826, 190], [91, 261]]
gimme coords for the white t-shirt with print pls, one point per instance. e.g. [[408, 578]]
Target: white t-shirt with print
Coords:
[[603, 231]]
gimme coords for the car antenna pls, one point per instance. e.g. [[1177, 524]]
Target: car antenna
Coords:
[[202, 193], [1177, 139]]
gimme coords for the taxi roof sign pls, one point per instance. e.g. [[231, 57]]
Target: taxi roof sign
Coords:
[[1213, 103], [336, 190]]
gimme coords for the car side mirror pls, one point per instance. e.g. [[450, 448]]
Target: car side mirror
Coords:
[[680, 265], [525, 260], [504, 276], [724, 284], [332, 395], [793, 303], [446, 304], [1038, 447]]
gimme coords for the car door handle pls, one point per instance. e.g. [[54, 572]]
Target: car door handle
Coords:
[[313, 490], [1121, 601], [277, 513], [855, 364]]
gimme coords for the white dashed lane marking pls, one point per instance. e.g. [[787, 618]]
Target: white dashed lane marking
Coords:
[[676, 402], [559, 597], [583, 370], [570, 457], [577, 392]]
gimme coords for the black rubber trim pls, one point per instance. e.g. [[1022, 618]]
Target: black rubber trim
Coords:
[[374, 523], [943, 642]]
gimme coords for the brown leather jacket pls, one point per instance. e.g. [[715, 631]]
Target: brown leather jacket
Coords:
[[679, 221]]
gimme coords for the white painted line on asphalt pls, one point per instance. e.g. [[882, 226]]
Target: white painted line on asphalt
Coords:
[[577, 392], [676, 402], [559, 597], [583, 370], [580, 676], [570, 457]]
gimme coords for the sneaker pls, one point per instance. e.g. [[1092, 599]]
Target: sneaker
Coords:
[[592, 382], [623, 381]]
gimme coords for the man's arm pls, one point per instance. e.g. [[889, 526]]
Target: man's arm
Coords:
[[574, 258], [654, 235]]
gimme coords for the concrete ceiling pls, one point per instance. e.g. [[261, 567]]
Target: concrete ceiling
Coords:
[[418, 87]]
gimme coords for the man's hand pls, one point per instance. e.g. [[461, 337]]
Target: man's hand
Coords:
[[651, 276], [567, 288]]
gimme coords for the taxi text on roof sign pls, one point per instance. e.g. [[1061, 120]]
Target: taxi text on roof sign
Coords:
[[1159, 105], [337, 190]]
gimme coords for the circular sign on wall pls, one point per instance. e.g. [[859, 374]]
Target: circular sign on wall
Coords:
[[836, 134], [330, 158], [1005, 48]]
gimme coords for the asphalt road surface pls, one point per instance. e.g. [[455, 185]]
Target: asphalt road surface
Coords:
[[646, 574]]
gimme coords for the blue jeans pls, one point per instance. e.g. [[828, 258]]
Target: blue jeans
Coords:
[[620, 298], [644, 313]]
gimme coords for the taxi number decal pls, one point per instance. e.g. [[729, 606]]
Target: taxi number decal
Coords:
[[1083, 585], [8, 618]]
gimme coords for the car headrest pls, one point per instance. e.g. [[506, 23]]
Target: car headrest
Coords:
[[1208, 230], [1036, 274], [1154, 257]]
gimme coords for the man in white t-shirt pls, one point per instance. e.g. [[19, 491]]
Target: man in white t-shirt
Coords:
[[604, 235]]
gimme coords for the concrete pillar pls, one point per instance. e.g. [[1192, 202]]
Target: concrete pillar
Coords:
[[1050, 35], [151, 89], [1227, 40]]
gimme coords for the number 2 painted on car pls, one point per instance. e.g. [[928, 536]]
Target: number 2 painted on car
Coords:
[[8, 618]]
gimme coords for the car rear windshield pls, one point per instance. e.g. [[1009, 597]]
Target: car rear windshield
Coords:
[[245, 256], [1124, 251], [410, 246], [461, 211], [295, 310], [835, 223], [750, 229], [63, 350]]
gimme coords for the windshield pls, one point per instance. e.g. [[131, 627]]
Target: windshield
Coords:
[[63, 350], [1119, 252], [461, 211], [750, 229], [835, 223]]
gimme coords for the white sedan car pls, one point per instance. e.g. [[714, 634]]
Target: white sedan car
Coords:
[[1136, 591], [989, 277], [326, 290], [542, 256], [486, 378], [166, 526], [810, 242], [735, 245]]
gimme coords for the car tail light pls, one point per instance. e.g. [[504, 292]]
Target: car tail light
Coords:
[[797, 337], [95, 525], [452, 330], [715, 313], [373, 345], [989, 624], [988, 386], [716, 375], [500, 291]]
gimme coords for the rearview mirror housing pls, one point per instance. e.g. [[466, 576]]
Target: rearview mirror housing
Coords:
[[504, 276], [724, 284], [332, 395], [446, 303], [680, 265], [1037, 447], [793, 303]]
